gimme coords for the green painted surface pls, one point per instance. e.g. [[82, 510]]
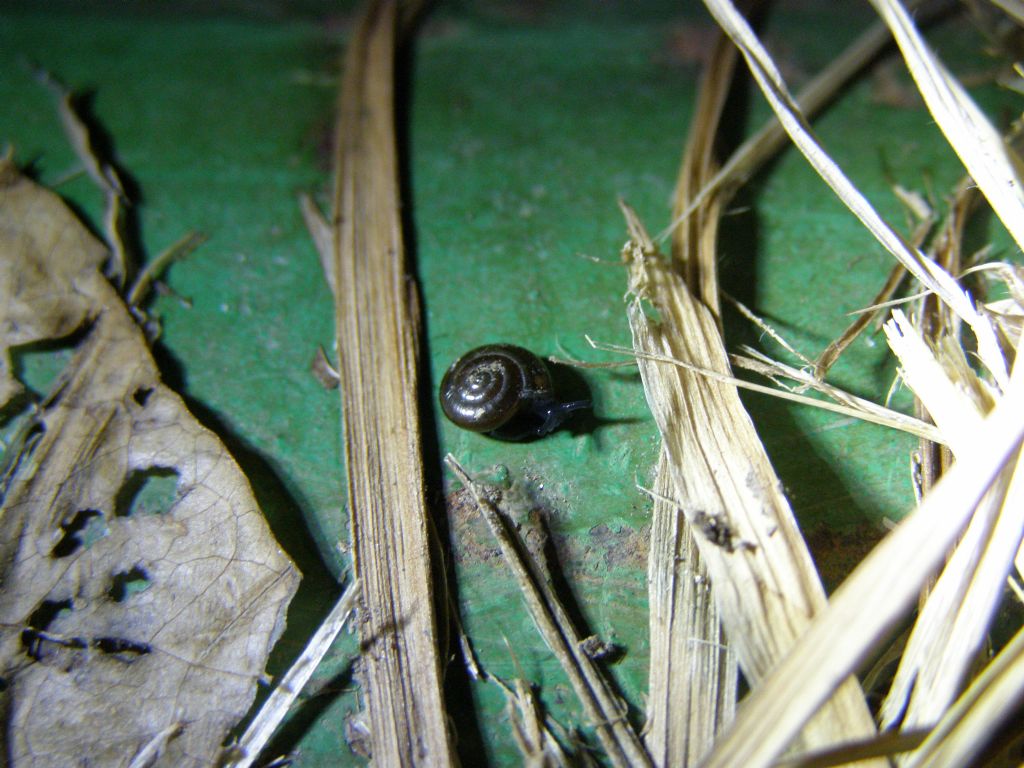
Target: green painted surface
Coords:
[[523, 131]]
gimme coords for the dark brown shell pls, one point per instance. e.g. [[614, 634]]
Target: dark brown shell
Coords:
[[491, 385]]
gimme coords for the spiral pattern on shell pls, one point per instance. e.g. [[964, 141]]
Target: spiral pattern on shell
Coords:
[[489, 386]]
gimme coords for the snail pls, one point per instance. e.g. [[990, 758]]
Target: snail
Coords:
[[505, 391]]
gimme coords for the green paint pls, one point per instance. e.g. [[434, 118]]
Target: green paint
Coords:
[[523, 133]]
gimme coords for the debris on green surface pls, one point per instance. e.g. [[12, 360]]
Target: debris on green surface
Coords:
[[521, 133]]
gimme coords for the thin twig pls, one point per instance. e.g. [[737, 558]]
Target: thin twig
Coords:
[[604, 710], [770, 137], [883, 416], [178, 250], [274, 709]]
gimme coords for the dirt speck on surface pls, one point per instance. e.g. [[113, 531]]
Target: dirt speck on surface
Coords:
[[620, 547], [601, 549], [837, 552], [471, 541], [688, 44], [892, 87]]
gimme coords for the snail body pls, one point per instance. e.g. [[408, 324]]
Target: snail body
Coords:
[[505, 391]]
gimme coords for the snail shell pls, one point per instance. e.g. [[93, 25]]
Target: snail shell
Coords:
[[496, 385]]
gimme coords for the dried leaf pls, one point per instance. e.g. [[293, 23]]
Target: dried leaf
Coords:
[[124, 637], [33, 308]]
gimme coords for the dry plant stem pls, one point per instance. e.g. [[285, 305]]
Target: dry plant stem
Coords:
[[536, 744], [845, 403], [766, 587], [832, 352], [1013, 8], [153, 269], [700, 230], [936, 322], [377, 330], [274, 709], [606, 713], [951, 629], [870, 603], [920, 266], [103, 173], [990, 163], [771, 137], [767, 329], [950, 390], [692, 681], [532, 730], [969, 724], [692, 678], [858, 408]]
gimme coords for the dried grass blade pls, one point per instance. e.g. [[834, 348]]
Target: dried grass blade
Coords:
[[951, 630], [258, 733], [770, 137], [765, 584], [869, 604], [924, 269], [988, 159], [885, 744], [693, 242], [377, 332], [953, 403], [965, 729], [940, 326], [847, 404], [605, 711], [691, 692], [692, 680], [952, 627], [1012, 8]]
